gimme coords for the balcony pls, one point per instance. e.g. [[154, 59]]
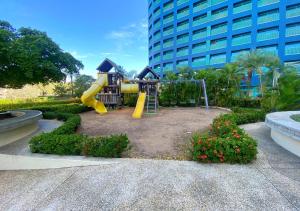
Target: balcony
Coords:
[[292, 49], [218, 30], [199, 21], [219, 15], [241, 40], [198, 62], [293, 12], [156, 59], [218, 44], [267, 35], [268, 18], [219, 59], [215, 2], [168, 67], [168, 32], [168, 7], [168, 56], [183, 13], [168, 20], [156, 48], [156, 13], [292, 31], [168, 44], [262, 3], [199, 35], [236, 55], [179, 2], [182, 40], [242, 24], [183, 52], [199, 48], [269, 50], [156, 2], [156, 37], [242, 8], [182, 64], [182, 27], [200, 6]]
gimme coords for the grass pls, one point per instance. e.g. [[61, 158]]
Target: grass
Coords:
[[296, 117]]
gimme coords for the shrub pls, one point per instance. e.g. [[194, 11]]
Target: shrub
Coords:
[[64, 108], [226, 142], [235, 148], [111, 146], [130, 100], [30, 105], [57, 144], [62, 141]]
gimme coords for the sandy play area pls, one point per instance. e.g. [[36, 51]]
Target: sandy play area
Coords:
[[162, 135]]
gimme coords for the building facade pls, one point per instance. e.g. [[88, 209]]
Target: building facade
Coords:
[[210, 33]]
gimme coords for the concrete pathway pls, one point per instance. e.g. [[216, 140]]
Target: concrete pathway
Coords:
[[270, 183]]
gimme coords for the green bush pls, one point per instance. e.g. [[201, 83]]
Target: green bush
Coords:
[[57, 144], [111, 146], [130, 100], [226, 142], [232, 149], [62, 141], [64, 108], [30, 105], [247, 103]]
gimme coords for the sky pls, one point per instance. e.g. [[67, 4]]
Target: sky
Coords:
[[91, 30]]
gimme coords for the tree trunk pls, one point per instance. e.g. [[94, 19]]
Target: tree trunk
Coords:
[[72, 91]]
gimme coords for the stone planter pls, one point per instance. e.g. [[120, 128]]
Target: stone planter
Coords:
[[284, 130], [22, 124]]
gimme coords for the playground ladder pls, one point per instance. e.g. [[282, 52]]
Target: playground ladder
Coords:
[[152, 101]]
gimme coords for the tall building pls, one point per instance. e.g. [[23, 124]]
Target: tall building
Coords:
[[210, 33]]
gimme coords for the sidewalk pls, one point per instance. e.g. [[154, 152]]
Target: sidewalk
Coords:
[[270, 183]]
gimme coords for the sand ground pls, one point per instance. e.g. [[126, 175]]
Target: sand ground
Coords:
[[163, 135]]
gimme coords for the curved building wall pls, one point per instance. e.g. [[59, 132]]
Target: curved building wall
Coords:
[[210, 33]]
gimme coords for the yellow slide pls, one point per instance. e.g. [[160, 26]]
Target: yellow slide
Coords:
[[139, 109], [88, 97]]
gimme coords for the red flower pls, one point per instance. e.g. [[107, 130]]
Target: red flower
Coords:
[[203, 157]]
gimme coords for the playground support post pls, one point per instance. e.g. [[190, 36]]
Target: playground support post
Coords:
[[204, 93]]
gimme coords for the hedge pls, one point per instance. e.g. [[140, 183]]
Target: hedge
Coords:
[[14, 106], [226, 142], [62, 141]]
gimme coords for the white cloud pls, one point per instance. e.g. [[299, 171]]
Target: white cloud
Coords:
[[133, 36], [78, 55]]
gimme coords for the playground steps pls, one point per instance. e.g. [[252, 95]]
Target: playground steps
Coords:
[[152, 101]]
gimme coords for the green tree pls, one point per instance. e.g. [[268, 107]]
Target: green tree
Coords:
[[255, 61], [71, 67], [234, 76], [61, 89], [28, 56], [289, 89], [82, 83]]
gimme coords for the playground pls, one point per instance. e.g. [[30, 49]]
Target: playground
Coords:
[[165, 135]]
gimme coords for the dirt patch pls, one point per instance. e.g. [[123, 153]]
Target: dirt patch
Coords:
[[163, 135]]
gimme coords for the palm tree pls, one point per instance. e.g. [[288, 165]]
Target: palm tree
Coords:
[[256, 61], [234, 76]]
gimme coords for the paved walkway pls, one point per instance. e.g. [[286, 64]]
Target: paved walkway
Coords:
[[270, 183]]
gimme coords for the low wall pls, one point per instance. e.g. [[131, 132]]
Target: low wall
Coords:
[[285, 131], [24, 124]]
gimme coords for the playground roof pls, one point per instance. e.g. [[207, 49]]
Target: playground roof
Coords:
[[107, 65], [145, 72]]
